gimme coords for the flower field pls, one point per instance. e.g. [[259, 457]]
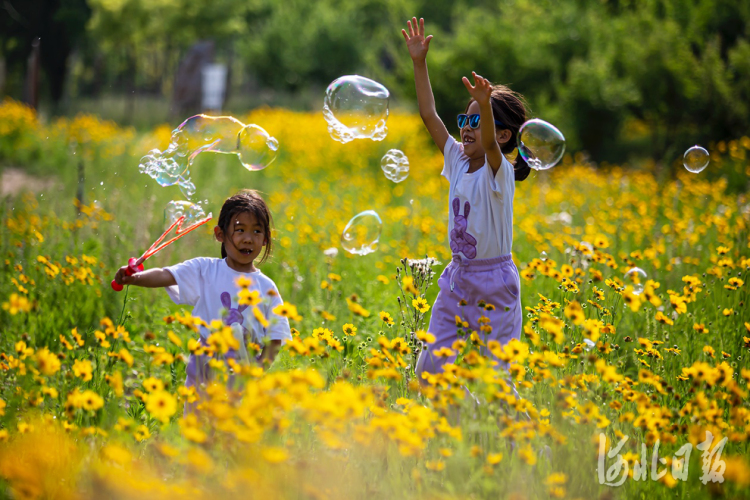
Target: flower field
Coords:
[[92, 381]]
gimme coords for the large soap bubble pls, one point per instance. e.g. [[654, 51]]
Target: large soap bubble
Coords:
[[636, 278], [695, 159], [540, 144], [177, 208], [395, 165], [362, 233], [254, 147], [356, 107]]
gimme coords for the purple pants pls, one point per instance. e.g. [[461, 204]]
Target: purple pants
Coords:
[[494, 281]]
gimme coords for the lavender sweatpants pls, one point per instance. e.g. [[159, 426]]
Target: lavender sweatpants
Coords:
[[495, 281]]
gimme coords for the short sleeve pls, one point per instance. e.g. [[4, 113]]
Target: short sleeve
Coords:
[[505, 175], [188, 277], [278, 328], [451, 154]]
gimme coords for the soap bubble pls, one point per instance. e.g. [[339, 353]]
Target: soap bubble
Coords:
[[362, 233], [395, 165], [543, 256], [695, 159], [356, 107], [186, 186], [588, 344], [540, 144], [636, 278], [216, 134], [177, 208]]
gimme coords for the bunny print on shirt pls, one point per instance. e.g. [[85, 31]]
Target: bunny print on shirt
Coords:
[[233, 315], [461, 240]]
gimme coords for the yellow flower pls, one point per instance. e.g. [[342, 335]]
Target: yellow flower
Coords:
[[287, 311], [244, 282], [141, 433], [386, 318], [91, 401], [727, 312], [425, 337], [249, 297], [274, 455], [631, 299], [349, 329], [420, 305], [153, 384], [661, 318], [408, 285], [161, 405], [494, 458], [383, 279], [82, 368], [174, 338], [17, 304], [47, 362], [259, 316]]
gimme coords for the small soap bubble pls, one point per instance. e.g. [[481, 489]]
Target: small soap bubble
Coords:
[[362, 233], [636, 278], [540, 144], [356, 107], [254, 147], [588, 344], [395, 165], [543, 256], [187, 187], [695, 159], [177, 208]]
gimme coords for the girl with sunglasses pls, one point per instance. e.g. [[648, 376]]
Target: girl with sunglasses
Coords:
[[481, 281]]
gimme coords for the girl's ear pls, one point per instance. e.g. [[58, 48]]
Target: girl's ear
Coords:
[[218, 234], [503, 136]]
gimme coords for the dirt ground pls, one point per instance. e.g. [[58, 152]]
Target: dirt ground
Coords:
[[14, 181]]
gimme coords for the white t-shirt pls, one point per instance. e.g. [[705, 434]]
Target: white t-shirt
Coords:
[[480, 205], [209, 285]]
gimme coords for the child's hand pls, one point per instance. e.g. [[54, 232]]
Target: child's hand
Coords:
[[415, 40], [481, 91], [121, 278]]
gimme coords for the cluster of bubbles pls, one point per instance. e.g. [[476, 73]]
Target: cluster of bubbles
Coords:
[[252, 145], [356, 107], [695, 159], [362, 233], [177, 208], [636, 278], [395, 165], [540, 144]]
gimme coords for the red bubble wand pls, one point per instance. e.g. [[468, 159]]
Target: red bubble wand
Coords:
[[136, 265]]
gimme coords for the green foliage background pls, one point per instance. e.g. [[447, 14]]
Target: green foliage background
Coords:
[[621, 78]]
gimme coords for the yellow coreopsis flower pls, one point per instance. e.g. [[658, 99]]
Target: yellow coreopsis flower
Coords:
[[47, 362], [420, 305], [82, 368], [161, 405]]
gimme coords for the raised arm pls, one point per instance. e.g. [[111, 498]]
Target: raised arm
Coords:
[[481, 91], [418, 46]]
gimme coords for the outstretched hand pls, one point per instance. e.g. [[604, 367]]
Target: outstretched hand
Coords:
[[416, 42], [481, 91]]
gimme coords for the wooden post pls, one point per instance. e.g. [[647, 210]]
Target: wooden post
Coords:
[[31, 92]]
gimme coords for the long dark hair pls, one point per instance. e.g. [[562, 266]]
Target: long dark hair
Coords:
[[509, 107], [250, 201]]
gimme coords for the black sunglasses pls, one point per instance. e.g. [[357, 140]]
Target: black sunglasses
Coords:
[[474, 121]]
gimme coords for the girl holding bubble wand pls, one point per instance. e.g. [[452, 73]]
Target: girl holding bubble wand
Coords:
[[481, 280], [211, 286]]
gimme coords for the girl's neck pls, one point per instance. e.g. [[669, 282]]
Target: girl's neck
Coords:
[[240, 268], [475, 164]]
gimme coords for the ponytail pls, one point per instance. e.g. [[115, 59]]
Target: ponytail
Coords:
[[521, 169]]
